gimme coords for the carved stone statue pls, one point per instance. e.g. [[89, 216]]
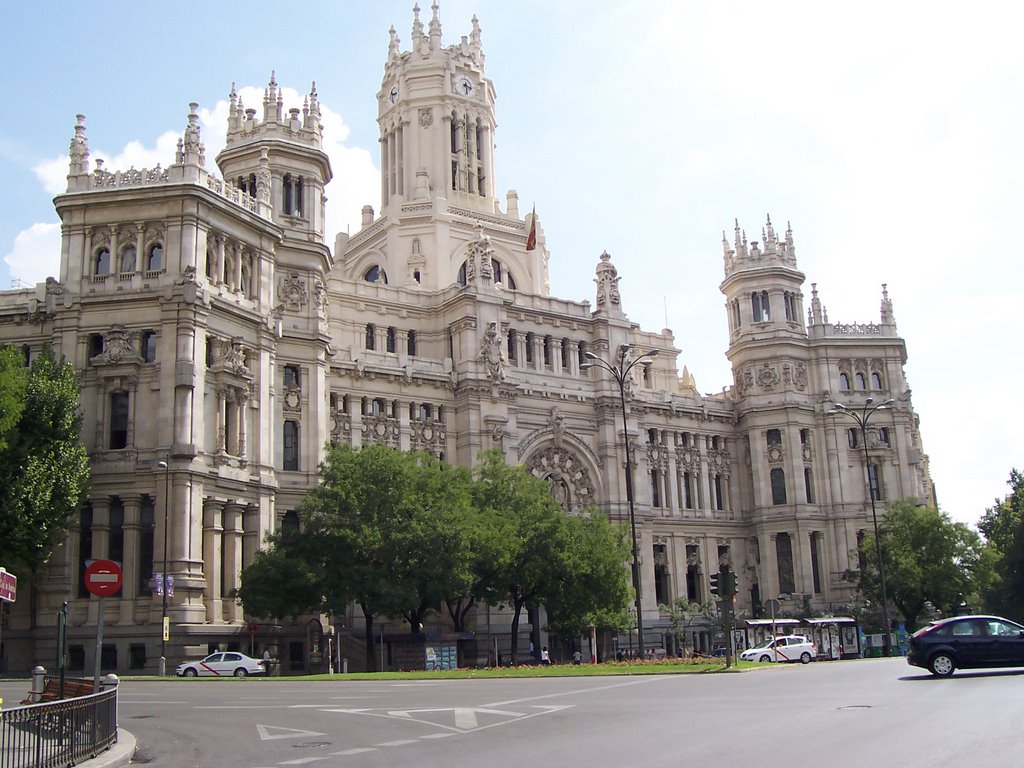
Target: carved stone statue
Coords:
[[492, 355]]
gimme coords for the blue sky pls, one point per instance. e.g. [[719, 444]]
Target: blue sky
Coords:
[[887, 134]]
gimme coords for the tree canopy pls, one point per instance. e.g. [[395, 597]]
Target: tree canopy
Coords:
[[927, 558], [1002, 589], [44, 468], [402, 534]]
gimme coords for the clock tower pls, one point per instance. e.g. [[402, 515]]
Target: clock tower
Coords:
[[436, 118]]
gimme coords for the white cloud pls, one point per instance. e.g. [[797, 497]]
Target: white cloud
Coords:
[[36, 253]]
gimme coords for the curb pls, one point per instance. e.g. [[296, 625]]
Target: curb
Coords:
[[119, 754]]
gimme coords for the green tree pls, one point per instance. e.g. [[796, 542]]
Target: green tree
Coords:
[[386, 529], [593, 589], [44, 468], [683, 613], [927, 558], [13, 380], [1002, 588], [280, 583], [530, 538]]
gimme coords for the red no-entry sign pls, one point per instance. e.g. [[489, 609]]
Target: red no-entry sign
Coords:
[[103, 578]]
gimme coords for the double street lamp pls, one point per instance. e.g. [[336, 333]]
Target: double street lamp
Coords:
[[620, 369], [163, 575], [861, 417]]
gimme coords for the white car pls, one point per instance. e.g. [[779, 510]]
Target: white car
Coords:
[[222, 664], [787, 648]]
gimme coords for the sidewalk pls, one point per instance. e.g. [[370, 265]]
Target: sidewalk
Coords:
[[119, 754]]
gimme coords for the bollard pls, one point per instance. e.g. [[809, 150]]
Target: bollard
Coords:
[[110, 681], [38, 683], [344, 666]]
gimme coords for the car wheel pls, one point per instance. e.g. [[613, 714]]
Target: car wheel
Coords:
[[942, 665], [765, 658], [805, 658], [241, 672], [191, 672]]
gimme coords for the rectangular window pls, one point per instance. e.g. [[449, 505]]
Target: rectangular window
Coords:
[[662, 585], [688, 489], [815, 563], [808, 485], [883, 435], [410, 344], [805, 436], [146, 536], [371, 336], [774, 437], [529, 348], [137, 656], [392, 339], [291, 375], [115, 535], [118, 420], [512, 345], [873, 481], [108, 657], [719, 503], [655, 489], [84, 546], [851, 437], [784, 558], [291, 446], [778, 486], [148, 346], [76, 656]]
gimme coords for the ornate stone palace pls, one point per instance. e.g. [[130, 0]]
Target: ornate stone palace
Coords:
[[215, 328]]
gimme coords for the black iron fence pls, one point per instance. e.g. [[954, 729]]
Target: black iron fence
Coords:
[[57, 734]]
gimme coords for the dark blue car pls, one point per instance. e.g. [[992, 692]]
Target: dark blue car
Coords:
[[967, 642]]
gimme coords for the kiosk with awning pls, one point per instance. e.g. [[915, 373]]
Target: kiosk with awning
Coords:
[[834, 637]]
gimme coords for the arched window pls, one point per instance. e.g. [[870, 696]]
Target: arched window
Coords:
[[155, 258], [128, 260], [844, 382], [376, 275], [876, 381], [861, 382], [102, 262], [462, 274]]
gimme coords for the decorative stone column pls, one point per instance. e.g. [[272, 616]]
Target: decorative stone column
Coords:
[[213, 530], [232, 546]]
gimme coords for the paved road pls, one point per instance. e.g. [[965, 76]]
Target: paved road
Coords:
[[855, 713]]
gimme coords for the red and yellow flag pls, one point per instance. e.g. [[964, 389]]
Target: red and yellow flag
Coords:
[[531, 239]]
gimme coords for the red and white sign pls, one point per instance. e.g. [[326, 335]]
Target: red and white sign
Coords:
[[8, 586], [103, 577]]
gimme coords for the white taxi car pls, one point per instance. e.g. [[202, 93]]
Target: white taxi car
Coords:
[[787, 648], [222, 664]]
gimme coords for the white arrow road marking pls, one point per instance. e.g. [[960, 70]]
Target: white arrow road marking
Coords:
[[271, 732]]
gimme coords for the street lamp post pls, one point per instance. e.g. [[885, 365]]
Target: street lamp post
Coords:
[[861, 417], [163, 575], [620, 372]]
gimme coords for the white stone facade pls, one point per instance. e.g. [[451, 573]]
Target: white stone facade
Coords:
[[216, 328]]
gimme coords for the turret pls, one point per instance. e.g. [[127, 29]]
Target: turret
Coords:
[[287, 143]]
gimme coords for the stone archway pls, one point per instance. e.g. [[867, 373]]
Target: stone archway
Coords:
[[566, 474]]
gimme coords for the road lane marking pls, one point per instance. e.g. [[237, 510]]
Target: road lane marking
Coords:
[[437, 735], [355, 751], [650, 679], [272, 732], [397, 743]]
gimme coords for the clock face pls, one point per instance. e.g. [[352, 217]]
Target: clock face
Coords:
[[464, 86], [393, 94]]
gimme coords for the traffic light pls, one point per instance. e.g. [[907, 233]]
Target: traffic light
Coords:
[[715, 584], [728, 582]]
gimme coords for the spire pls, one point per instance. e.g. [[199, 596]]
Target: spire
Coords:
[[79, 151], [417, 26], [192, 145], [770, 241], [607, 280], [815, 316], [887, 316], [393, 49], [233, 110], [273, 101], [435, 28]]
